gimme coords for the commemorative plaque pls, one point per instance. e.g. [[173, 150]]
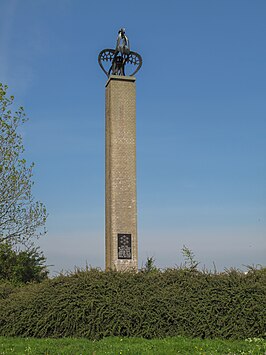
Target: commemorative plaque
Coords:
[[124, 246]]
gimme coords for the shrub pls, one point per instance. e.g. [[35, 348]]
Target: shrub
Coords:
[[22, 265], [96, 304]]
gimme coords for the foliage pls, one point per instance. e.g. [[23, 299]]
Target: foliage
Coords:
[[20, 216], [114, 346], [22, 265], [149, 265], [189, 257], [6, 288], [96, 304]]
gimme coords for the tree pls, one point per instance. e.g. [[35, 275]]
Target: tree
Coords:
[[21, 217], [22, 265]]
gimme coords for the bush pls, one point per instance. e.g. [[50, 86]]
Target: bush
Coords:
[[22, 265], [96, 304]]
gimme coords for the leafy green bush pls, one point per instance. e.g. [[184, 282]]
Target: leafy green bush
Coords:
[[6, 288], [22, 265], [96, 304]]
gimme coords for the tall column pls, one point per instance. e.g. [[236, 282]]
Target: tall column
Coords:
[[121, 249]]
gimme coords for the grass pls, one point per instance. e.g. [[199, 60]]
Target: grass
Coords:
[[134, 346]]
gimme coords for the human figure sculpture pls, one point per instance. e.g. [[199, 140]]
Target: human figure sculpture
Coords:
[[119, 57], [122, 51], [122, 43]]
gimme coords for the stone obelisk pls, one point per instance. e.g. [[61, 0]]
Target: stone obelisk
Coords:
[[121, 244], [120, 174]]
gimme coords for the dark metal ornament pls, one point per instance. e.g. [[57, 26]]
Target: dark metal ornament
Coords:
[[119, 57]]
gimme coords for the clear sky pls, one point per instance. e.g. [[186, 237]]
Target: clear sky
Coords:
[[201, 123]]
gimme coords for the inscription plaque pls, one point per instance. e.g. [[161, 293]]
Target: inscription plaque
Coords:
[[124, 246]]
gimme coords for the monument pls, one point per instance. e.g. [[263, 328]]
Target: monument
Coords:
[[121, 243]]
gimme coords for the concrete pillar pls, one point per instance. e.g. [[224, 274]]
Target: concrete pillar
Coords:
[[121, 248]]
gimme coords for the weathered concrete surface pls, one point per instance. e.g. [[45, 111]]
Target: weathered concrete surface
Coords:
[[120, 170]]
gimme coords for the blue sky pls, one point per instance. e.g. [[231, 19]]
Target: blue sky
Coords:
[[201, 123]]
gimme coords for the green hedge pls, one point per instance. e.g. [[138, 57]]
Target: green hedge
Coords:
[[96, 304]]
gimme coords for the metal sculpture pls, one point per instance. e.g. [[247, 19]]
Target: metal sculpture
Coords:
[[119, 57]]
